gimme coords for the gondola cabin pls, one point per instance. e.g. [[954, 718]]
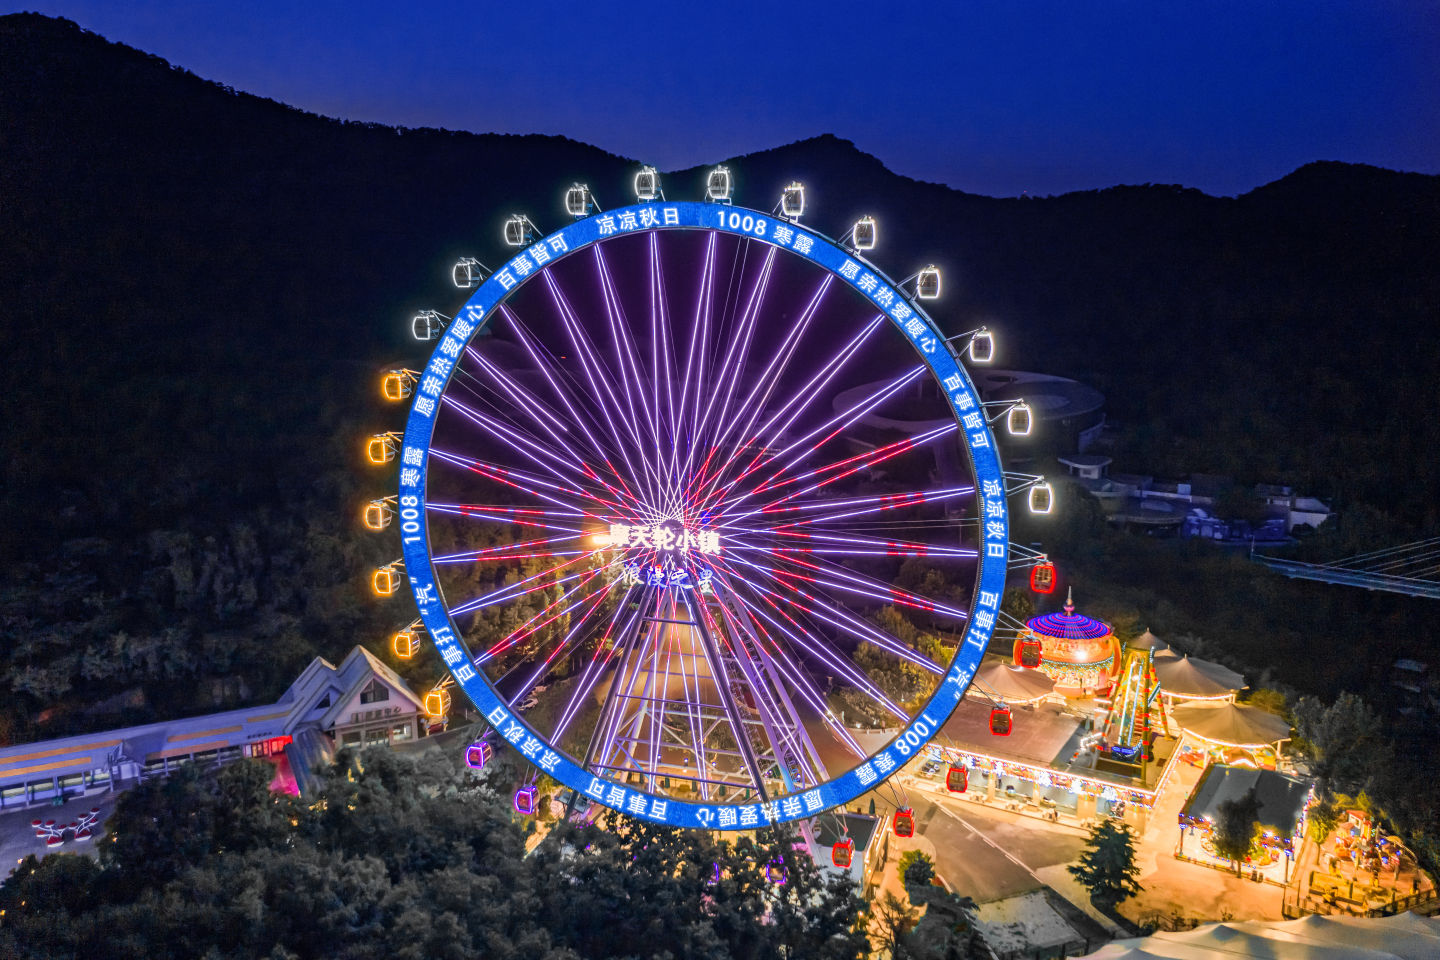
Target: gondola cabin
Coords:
[[792, 201], [577, 201], [1018, 420], [380, 448], [647, 184], [982, 347], [717, 186], [525, 800], [843, 853], [437, 703], [776, 873], [1000, 721], [1042, 498], [385, 581], [927, 283], [864, 235], [378, 514], [478, 754], [903, 822], [1042, 577], [396, 385], [405, 643], [957, 778], [517, 231], [1029, 653]]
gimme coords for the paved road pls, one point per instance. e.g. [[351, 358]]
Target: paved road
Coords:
[[989, 855]]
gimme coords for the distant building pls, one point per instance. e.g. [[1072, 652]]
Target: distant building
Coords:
[[359, 703]]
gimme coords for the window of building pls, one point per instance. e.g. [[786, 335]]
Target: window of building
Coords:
[[324, 701], [374, 692], [377, 736], [351, 738], [400, 731]]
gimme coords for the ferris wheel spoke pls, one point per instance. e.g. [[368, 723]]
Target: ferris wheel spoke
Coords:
[[632, 379], [528, 483], [547, 615], [812, 643], [858, 506], [695, 354], [826, 432], [577, 630], [857, 627], [510, 515], [604, 654], [827, 573], [525, 400], [505, 552], [582, 415], [662, 364], [531, 449], [737, 353], [521, 588], [751, 408], [600, 378], [768, 433]]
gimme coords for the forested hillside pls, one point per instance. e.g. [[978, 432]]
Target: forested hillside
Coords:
[[198, 287]]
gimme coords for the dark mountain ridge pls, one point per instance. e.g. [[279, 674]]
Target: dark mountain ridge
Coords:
[[197, 286]]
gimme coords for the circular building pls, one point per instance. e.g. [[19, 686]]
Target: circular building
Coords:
[[1079, 653]]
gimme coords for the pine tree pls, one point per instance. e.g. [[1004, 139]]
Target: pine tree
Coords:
[[1107, 867]]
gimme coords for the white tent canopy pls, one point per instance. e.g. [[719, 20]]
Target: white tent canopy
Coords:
[[1404, 937]]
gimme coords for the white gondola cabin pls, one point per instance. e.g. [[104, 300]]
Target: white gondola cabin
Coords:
[[467, 273], [862, 237], [792, 201], [647, 184], [577, 201], [927, 283], [518, 231], [1042, 498], [1019, 421], [427, 325], [982, 347], [718, 185]]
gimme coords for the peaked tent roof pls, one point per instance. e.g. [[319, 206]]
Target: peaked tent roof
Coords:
[[1013, 684], [1184, 677], [1281, 797], [1404, 937], [1230, 724]]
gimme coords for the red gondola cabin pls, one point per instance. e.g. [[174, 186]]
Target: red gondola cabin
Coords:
[[1028, 653], [957, 778], [904, 822], [1042, 577], [1000, 721], [843, 853]]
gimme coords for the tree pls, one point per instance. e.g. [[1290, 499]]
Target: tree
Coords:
[[1324, 816], [891, 923], [1236, 827], [1107, 866], [1344, 741]]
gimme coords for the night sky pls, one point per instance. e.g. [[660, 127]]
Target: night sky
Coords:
[[990, 97]]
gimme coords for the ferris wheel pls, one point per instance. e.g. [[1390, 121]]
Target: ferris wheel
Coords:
[[700, 509]]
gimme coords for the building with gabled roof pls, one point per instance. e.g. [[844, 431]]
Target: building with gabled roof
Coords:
[[360, 702]]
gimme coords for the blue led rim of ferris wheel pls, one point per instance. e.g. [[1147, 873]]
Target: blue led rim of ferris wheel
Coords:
[[928, 343]]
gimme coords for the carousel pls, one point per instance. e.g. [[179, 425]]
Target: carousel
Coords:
[[1078, 652]]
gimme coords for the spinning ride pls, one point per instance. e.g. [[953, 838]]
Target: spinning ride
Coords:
[[649, 545]]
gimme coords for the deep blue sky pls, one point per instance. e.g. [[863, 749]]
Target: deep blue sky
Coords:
[[990, 97]]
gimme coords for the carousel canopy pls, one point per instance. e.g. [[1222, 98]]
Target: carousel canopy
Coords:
[[1228, 723], [1403, 937], [1184, 677], [1069, 625], [1013, 684]]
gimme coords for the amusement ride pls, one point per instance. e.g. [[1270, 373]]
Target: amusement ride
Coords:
[[664, 470]]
